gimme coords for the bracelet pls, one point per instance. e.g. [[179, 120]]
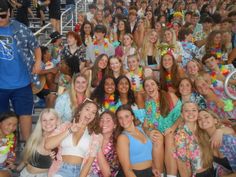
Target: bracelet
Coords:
[[229, 106], [69, 131]]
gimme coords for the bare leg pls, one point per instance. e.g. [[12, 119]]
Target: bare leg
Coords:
[[55, 25], [170, 162], [5, 173], [50, 100], [25, 126], [158, 153]]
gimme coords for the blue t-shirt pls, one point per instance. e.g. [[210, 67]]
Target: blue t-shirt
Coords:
[[13, 71]]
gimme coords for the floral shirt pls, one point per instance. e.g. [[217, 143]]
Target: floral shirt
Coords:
[[228, 148], [221, 113], [80, 53], [187, 149], [26, 44], [198, 99], [189, 52], [112, 159]]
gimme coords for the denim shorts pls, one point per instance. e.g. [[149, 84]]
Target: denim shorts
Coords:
[[68, 170], [21, 99], [25, 173]]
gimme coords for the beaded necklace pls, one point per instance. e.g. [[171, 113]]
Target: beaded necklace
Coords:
[[223, 71], [96, 50], [153, 112], [217, 51], [9, 144], [168, 79], [109, 103], [133, 81]]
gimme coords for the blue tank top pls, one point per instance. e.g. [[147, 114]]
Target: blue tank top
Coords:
[[138, 151]]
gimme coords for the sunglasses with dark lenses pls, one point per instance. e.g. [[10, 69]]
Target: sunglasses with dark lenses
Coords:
[[3, 15]]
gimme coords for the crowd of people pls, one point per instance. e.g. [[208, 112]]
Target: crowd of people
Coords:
[[136, 90]]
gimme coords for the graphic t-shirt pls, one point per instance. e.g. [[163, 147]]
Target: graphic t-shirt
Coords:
[[13, 71]]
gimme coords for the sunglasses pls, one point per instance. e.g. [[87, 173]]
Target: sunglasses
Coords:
[[3, 16]]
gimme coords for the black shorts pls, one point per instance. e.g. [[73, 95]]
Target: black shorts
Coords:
[[55, 15], [43, 93], [207, 173], [139, 173]]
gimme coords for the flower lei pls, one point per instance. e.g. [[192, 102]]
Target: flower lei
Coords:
[[223, 71], [96, 50], [109, 103], [9, 144], [217, 51], [153, 113], [133, 83], [168, 79]]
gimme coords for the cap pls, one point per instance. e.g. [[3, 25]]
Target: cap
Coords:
[[54, 36], [4, 6], [100, 28]]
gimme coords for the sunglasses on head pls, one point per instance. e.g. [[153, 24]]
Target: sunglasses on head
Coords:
[[3, 15]]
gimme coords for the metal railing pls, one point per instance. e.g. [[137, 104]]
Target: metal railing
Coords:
[[68, 16], [79, 8], [227, 83], [39, 33]]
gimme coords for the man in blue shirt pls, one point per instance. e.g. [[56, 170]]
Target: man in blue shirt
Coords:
[[20, 58]]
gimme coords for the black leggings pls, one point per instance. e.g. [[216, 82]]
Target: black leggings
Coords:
[[139, 173]]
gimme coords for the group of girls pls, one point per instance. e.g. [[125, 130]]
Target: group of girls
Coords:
[[184, 139]]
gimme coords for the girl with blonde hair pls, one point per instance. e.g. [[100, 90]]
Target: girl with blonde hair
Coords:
[[175, 46], [36, 158], [71, 99], [223, 142], [149, 52], [194, 157]]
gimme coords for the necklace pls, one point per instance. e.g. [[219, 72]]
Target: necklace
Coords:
[[217, 51], [153, 112], [223, 70], [96, 50], [109, 103], [134, 82], [9, 143], [168, 79]]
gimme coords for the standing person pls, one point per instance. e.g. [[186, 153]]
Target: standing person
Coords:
[[55, 14], [21, 10], [20, 52]]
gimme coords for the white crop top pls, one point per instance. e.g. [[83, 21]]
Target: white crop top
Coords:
[[78, 150]]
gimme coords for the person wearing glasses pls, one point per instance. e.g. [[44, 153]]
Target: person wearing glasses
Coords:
[[20, 61]]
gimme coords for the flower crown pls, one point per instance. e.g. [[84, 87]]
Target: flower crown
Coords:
[[178, 14], [166, 49]]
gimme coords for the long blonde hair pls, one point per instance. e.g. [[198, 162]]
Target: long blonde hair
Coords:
[[146, 46], [204, 141], [36, 137], [72, 92]]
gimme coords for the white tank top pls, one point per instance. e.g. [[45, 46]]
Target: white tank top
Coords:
[[78, 150]]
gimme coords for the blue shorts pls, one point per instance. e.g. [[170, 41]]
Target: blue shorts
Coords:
[[21, 99], [68, 170]]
